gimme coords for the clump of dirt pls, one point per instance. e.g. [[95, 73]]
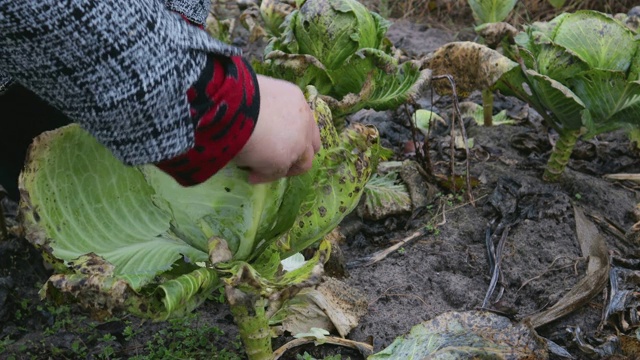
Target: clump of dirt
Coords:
[[445, 269]]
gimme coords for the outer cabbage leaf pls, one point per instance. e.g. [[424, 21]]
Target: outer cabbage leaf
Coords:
[[540, 32], [467, 335], [300, 69], [79, 199], [389, 92], [94, 287], [557, 62], [386, 87], [338, 176], [612, 100], [385, 196], [552, 100]]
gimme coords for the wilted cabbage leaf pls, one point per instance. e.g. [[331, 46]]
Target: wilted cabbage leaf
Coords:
[[332, 305], [473, 67], [467, 335], [265, 20]]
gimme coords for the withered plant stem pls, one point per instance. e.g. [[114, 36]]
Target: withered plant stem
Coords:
[[458, 116], [422, 153]]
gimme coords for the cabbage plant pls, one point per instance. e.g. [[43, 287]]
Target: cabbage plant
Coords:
[[339, 46], [582, 77], [131, 238], [579, 71]]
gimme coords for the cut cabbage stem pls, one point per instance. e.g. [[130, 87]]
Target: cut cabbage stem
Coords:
[[250, 316]]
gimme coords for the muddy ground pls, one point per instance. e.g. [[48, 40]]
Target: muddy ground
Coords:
[[444, 269]]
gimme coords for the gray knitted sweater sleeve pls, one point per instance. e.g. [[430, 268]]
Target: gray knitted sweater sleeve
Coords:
[[119, 68]]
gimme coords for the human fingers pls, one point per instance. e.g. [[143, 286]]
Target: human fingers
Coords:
[[256, 177], [303, 163], [316, 143]]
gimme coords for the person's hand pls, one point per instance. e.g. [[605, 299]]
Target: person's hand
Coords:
[[286, 136]]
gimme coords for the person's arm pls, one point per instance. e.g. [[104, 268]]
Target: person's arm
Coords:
[[121, 69], [153, 88], [5, 81], [224, 105]]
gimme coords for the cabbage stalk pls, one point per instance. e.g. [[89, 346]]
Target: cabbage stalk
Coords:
[[339, 47], [131, 238], [489, 13]]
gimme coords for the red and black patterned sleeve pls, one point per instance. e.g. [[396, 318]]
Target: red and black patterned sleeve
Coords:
[[224, 102]]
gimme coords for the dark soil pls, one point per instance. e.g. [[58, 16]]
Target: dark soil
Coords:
[[445, 269]]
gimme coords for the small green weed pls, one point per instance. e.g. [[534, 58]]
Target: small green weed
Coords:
[[23, 310], [79, 348], [182, 340], [4, 343], [63, 318]]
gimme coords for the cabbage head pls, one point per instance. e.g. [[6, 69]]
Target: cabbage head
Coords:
[[131, 238], [339, 47]]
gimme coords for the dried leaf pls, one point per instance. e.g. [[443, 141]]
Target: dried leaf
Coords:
[[473, 67], [333, 305], [630, 177], [493, 33], [593, 246]]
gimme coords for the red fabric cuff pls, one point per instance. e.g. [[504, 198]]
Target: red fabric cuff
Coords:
[[225, 102], [200, 26]]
